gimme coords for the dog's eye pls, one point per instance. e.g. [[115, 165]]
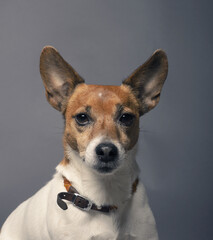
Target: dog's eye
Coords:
[[126, 119], [82, 119]]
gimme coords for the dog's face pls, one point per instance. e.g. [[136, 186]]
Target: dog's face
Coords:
[[101, 122]]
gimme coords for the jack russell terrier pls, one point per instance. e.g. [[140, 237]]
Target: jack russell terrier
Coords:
[[96, 192]]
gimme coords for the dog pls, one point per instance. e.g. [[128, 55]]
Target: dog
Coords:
[[96, 192]]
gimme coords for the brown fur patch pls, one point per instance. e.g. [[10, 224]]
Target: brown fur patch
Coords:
[[134, 185], [64, 162], [71, 141]]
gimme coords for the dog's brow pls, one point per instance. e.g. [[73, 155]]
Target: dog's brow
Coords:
[[119, 109], [88, 108]]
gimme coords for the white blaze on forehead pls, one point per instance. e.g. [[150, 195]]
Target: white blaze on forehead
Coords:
[[100, 94]]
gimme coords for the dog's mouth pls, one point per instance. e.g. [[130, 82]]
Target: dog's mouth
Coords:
[[106, 167]]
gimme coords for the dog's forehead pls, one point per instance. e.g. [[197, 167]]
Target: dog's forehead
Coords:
[[101, 98]]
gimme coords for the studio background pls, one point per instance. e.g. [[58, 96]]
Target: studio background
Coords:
[[105, 41]]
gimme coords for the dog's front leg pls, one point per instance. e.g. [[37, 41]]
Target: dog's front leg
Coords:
[[138, 221]]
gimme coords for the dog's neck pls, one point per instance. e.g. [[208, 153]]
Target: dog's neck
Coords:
[[102, 189]]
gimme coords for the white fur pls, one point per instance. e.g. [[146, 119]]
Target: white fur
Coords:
[[40, 218]]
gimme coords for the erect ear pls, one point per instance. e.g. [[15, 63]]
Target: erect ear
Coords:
[[58, 76], [147, 80]]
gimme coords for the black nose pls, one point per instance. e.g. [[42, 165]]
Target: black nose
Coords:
[[106, 152]]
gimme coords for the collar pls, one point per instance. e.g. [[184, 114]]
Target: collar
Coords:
[[83, 203]]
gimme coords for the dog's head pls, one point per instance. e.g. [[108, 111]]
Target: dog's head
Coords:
[[101, 122]]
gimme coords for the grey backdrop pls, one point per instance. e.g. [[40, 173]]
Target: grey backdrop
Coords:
[[105, 41]]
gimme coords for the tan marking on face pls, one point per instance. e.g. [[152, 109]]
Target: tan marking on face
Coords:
[[64, 162], [103, 103]]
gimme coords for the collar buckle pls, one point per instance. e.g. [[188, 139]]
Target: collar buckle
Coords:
[[81, 202]]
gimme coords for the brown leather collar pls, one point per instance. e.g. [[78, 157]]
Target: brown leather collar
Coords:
[[83, 203]]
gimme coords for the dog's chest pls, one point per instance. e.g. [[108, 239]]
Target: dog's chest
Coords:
[[75, 224]]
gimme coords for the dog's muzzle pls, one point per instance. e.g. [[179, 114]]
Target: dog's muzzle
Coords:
[[107, 155]]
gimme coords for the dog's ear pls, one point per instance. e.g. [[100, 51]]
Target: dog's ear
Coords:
[[58, 76], [147, 80]]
